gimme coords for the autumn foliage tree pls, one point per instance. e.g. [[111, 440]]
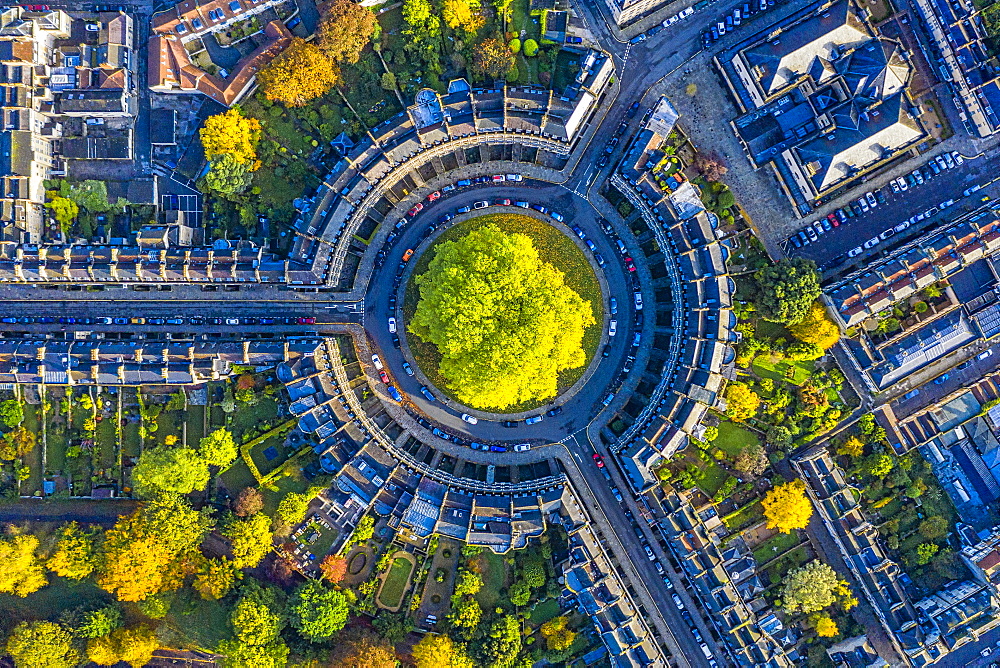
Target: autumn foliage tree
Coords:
[[299, 74], [816, 328], [462, 15], [787, 507], [334, 568], [42, 645], [248, 502], [362, 649], [75, 556], [741, 402], [231, 133], [345, 29], [134, 646], [492, 58], [22, 571], [440, 651], [557, 636]]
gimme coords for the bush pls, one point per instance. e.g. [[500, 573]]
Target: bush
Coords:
[[920, 307], [515, 45], [530, 48]]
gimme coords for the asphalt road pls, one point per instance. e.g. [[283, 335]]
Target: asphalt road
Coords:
[[831, 250], [577, 409]]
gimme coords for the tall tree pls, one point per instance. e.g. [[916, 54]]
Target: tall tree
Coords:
[[462, 15], [218, 448], [345, 29], [741, 402], [333, 567], [787, 507], [231, 133], [75, 556], [93, 623], [144, 550], [64, 210], [362, 649], [216, 578], [299, 74], [227, 177], [812, 587], [11, 412], [787, 290], [292, 508], [752, 460], [492, 58], [558, 637], [503, 320], [502, 643], [316, 611], [250, 539], [440, 651], [22, 571], [164, 469], [134, 646], [42, 645], [248, 502], [816, 327], [256, 620]]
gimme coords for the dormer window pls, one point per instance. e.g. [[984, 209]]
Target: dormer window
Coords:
[[180, 29], [197, 24]]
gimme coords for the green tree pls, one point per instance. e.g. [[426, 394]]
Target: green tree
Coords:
[[41, 645], [530, 47], [786, 290], [811, 588], [502, 644], [519, 593], [64, 210], [557, 636], [293, 507], [316, 611], [250, 539], [84, 623], [503, 320], [227, 177], [880, 464], [468, 583], [934, 528], [256, 620], [11, 412], [345, 29], [163, 469], [75, 556], [216, 578], [134, 646], [925, 552], [778, 436], [741, 402], [388, 80], [466, 615], [218, 448]]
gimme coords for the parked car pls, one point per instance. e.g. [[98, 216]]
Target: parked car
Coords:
[[394, 393], [612, 328], [552, 412], [471, 419], [638, 301], [534, 419], [392, 325], [522, 447], [407, 369], [427, 393], [377, 362]]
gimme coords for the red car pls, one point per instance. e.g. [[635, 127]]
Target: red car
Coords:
[[434, 195], [833, 220], [629, 264], [415, 210], [384, 376], [502, 202], [407, 255], [307, 321], [599, 461]]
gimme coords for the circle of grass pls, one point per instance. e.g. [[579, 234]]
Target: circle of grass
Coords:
[[357, 563], [554, 247]]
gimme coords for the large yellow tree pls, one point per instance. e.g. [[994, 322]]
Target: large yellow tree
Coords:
[[301, 73], [22, 571], [231, 133], [816, 327], [462, 15], [741, 402], [787, 507], [440, 651]]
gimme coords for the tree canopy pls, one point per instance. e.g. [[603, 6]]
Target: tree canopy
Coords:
[[440, 651], [231, 133], [256, 620], [787, 290], [299, 74], [134, 646], [741, 402], [361, 649], [502, 644], [75, 556], [42, 645], [345, 29], [813, 587], [787, 507], [492, 58], [218, 448], [816, 327], [227, 177], [22, 571], [250, 539], [503, 319], [163, 469], [462, 15], [317, 611]]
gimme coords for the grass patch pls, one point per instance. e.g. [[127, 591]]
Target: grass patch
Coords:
[[775, 545], [395, 583], [713, 480], [744, 516], [733, 438], [197, 622], [545, 611], [557, 249], [280, 487], [46, 603], [247, 417], [795, 373], [494, 573]]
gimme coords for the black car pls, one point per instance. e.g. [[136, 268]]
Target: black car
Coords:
[[880, 196], [510, 424], [706, 40], [395, 342], [554, 411], [606, 352], [606, 225], [603, 161], [621, 129], [633, 110]]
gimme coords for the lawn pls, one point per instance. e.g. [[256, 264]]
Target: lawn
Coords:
[[715, 477], [733, 438], [556, 248], [545, 611], [198, 623], [777, 544], [282, 486], [49, 601], [247, 417], [238, 476], [391, 595], [494, 573], [744, 516], [780, 371]]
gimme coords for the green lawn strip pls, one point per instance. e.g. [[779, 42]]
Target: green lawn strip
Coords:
[[392, 591], [195, 425], [545, 611], [46, 603], [198, 622], [105, 437], [771, 330], [744, 516], [494, 574], [34, 458], [714, 477], [130, 439], [238, 476], [765, 368], [557, 249], [774, 546], [733, 438], [246, 417]]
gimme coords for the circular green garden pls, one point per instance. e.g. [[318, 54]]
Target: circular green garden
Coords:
[[502, 312]]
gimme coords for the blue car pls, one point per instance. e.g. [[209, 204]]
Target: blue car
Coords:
[[394, 393], [427, 393]]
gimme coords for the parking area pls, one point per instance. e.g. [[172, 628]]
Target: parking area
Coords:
[[883, 218]]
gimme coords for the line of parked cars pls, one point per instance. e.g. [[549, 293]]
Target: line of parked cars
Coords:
[[730, 22], [464, 183], [196, 320], [873, 199]]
